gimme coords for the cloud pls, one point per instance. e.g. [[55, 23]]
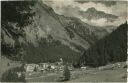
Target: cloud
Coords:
[[100, 22], [107, 3], [104, 22], [120, 9], [62, 7], [71, 8]]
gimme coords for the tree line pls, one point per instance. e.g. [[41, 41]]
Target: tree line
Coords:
[[110, 49]]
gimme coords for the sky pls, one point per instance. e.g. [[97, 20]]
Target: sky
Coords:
[[71, 8]]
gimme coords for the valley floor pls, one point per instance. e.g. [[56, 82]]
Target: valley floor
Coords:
[[91, 75], [116, 75], [77, 75]]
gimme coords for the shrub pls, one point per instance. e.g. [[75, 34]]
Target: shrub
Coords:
[[66, 73], [35, 69], [12, 76]]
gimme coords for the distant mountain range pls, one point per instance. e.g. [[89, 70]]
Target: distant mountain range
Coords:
[[93, 14]]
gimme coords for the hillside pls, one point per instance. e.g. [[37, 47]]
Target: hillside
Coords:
[[45, 36], [110, 49], [67, 29]]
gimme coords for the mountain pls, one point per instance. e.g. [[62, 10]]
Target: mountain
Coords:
[[110, 49], [49, 37], [93, 14]]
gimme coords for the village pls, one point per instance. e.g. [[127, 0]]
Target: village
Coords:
[[44, 70], [57, 66], [41, 69]]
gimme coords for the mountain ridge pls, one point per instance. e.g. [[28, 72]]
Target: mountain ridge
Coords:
[[93, 14], [67, 36]]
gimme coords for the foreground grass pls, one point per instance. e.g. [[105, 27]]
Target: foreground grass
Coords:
[[115, 75], [52, 77], [4, 65], [91, 75]]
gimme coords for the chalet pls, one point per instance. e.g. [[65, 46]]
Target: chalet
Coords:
[[31, 67], [83, 67], [44, 65], [53, 66]]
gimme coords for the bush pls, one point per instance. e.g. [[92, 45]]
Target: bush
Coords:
[[12, 76], [66, 73]]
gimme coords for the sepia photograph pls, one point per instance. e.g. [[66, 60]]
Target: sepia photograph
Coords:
[[63, 41]]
